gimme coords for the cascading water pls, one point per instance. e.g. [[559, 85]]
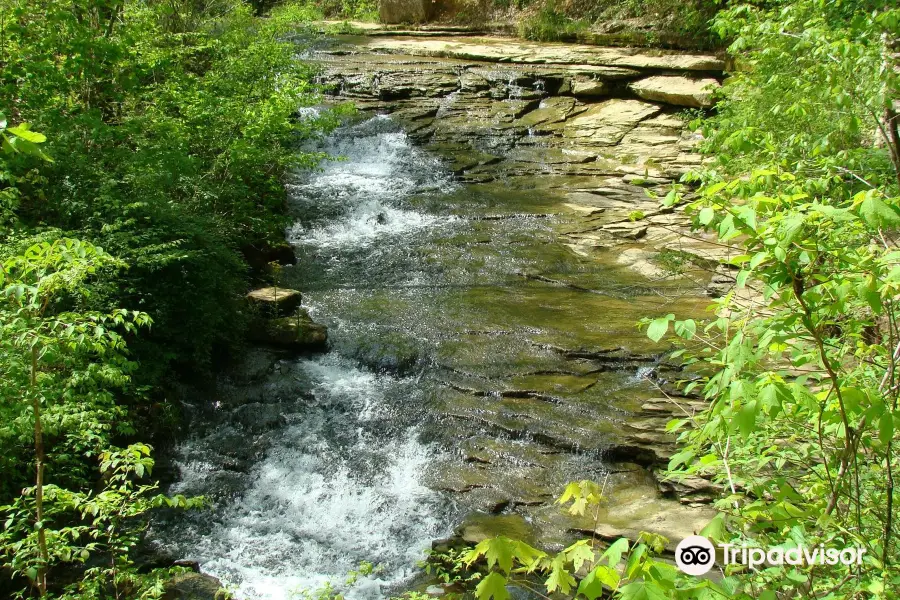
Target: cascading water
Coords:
[[448, 369], [323, 468], [356, 197]]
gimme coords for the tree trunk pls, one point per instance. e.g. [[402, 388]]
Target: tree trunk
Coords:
[[41, 579]]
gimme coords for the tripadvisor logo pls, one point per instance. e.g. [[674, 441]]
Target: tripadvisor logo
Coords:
[[696, 555]]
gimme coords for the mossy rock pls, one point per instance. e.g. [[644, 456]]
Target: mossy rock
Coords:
[[298, 333], [195, 586], [479, 527]]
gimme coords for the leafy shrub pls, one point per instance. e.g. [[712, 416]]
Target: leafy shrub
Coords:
[[175, 136], [170, 129], [549, 25]]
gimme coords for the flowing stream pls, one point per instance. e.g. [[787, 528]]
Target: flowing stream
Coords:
[[477, 364], [339, 477]]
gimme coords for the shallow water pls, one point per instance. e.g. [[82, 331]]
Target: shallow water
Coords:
[[338, 459]]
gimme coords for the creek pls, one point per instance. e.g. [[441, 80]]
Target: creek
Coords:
[[481, 284]]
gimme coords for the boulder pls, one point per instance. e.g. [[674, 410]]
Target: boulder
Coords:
[[691, 489], [640, 261], [677, 90], [627, 229], [275, 301], [194, 586], [404, 11], [670, 519], [298, 333], [589, 87], [505, 50], [479, 527], [551, 110]]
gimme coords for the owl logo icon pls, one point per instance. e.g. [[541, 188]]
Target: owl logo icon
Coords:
[[695, 555]]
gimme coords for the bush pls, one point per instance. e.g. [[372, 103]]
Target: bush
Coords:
[[170, 128], [171, 143], [550, 25]]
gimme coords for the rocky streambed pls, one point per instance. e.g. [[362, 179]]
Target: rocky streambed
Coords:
[[481, 255]]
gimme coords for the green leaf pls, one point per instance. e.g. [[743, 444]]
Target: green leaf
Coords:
[[886, 427], [642, 590], [613, 554], [871, 297], [685, 329], [746, 418], [877, 214], [492, 586], [659, 327], [715, 529], [26, 134], [706, 216], [579, 553], [560, 579], [634, 562], [591, 587], [498, 551]]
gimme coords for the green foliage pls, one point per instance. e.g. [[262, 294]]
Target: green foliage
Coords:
[[549, 25], [800, 363], [53, 350], [677, 262], [61, 367], [352, 10], [449, 567], [82, 527], [170, 130], [634, 22], [586, 568], [190, 123], [331, 591]]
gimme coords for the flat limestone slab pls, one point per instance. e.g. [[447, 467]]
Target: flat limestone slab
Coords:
[[505, 50], [607, 123], [677, 90], [276, 301]]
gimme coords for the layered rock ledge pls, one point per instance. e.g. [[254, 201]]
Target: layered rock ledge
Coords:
[[601, 131]]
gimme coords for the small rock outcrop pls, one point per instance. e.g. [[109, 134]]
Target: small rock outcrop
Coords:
[[195, 586], [298, 333], [677, 90], [589, 87], [275, 301]]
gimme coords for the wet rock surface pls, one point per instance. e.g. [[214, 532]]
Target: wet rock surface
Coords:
[[194, 586], [592, 131], [296, 333], [480, 257]]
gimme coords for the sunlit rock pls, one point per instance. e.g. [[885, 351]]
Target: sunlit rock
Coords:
[[275, 301], [677, 90]]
